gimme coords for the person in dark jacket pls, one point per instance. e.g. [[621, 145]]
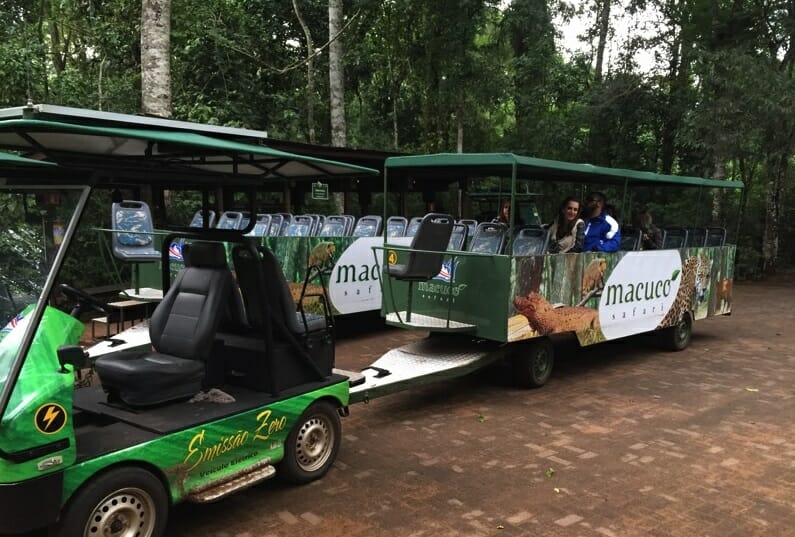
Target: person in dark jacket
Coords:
[[602, 232]]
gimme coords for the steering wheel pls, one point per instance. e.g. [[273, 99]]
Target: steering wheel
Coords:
[[83, 301]]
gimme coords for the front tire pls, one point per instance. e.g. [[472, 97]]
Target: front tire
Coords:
[[312, 445], [532, 362], [123, 502], [677, 337]]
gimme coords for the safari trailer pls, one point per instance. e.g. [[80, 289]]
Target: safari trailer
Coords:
[[217, 391], [502, 302]]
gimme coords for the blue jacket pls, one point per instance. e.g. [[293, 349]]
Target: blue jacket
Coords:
[[602, 234]]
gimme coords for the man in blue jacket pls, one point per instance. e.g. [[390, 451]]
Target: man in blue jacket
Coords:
[[601, 230]]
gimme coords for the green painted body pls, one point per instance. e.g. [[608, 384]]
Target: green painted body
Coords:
[[185, 460], [195, 457], [40, 383], [487, 291]]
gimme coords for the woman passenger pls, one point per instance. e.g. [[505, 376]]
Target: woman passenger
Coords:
[[568, 230], [504, 216], [651, 236]]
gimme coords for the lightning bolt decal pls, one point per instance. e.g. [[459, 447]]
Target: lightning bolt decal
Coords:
[[50, 415], [50, 418]]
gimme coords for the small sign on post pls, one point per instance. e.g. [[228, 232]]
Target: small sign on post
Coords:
[[319, 191]]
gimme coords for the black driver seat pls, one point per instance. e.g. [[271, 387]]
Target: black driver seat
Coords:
[[182, 330]]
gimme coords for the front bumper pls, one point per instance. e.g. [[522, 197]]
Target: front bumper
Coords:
[[31, 504]]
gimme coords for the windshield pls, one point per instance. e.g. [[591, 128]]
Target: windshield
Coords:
[[32, 226]]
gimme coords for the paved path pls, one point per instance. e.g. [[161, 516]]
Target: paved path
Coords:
[[625, 440]]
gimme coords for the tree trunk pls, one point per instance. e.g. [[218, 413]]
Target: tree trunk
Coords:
[[336, 75], [459, 119], [603, 20], [310, 75], [776, 171], [395, 131], [156, 57]]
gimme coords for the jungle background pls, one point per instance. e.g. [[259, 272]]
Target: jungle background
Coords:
[[713, 97]]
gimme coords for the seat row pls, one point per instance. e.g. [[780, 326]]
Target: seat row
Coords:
[[315, 225], [676, 237]]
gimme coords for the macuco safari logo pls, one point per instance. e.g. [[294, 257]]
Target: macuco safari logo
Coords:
[[639, 292]]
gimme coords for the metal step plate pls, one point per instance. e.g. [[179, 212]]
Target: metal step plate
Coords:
[[354, 377], [226, 485], [423, 362]]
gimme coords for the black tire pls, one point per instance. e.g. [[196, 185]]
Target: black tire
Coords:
[[532, 362], [312, 445], [677, 337], [123, 502]]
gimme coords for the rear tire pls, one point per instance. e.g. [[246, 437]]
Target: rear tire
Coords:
[[532, 362], [123, 502], [677, 337], [312, 445]]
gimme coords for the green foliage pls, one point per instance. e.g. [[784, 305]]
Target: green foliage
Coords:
[[421, 75]]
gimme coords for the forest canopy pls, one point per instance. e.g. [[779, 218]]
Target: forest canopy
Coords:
[[714, 99]]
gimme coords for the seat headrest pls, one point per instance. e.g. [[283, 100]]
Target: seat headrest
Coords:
[[205, 254]]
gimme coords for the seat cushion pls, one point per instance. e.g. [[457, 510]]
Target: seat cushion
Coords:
[[150, 378]]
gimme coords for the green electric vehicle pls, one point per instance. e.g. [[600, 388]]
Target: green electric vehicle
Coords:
[[225, 385]]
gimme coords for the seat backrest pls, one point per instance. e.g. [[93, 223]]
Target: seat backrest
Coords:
[[350, 223], [243, 224], [321, 219], [696, 237], [334, 226], [716, 236], [276, 295], [630, 238], [185, 322], [414, 225], [301, 226], [287, 218], [530, 241], [489, 238], [230, 220], [261, 227], [674, 237], [396, 226], [198, 219], [133, 216], [433, 235], [314, 228], [457, 237], [471, 225], [276, 225], [368, 226]]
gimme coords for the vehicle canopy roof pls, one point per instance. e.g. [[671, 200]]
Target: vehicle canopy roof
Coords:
[[149, 154], [464, 165]]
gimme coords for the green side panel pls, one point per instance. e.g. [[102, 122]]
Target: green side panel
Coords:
[[475, 290], [39, 411], [201, 455], [582, 293], [598, 296]]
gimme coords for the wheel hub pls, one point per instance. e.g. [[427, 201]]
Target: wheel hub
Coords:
[[124, 513], [314, 444], [540, 364]]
